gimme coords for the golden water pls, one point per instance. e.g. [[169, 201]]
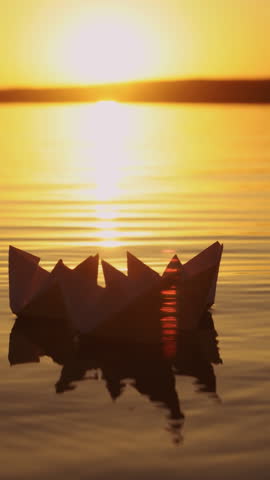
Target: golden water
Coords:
[[156, 180]]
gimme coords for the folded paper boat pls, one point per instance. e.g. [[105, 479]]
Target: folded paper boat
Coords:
[[74, 294]]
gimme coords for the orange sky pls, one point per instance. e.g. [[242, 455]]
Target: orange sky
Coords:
[[47, 42]]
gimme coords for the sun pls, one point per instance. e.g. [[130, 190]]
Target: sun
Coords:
[[108, 49]]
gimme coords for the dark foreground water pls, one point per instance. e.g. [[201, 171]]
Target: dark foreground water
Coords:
[[156, 180]]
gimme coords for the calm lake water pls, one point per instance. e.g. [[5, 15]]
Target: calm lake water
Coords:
[[155, 180]]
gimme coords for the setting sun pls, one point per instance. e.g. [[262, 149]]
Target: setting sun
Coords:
[[63, 42], [108, 49]]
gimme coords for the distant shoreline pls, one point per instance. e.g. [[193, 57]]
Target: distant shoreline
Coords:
[[178, 91]]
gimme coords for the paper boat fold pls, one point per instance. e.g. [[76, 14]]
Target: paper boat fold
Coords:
[[113, 278], [122, 293], [195, 285], [175, 266], [48, 303], [25, 278], [139, 271], [208, 258]]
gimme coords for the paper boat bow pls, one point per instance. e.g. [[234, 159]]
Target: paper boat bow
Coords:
[[74, 294]]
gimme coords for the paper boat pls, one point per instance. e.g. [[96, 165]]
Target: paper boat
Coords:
[[74, 294]]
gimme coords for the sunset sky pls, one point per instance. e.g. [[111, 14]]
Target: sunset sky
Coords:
[[48, 42]]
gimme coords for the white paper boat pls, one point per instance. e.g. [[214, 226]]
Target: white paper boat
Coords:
[[26, 278], [195, 285], [63, 292], [123, 292], [207, 259], [74, 294]]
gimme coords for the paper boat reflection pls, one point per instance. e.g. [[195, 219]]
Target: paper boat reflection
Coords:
[[72, 297], [145, 368]]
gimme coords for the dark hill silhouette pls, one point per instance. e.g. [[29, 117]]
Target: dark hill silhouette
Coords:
[[193, 91]]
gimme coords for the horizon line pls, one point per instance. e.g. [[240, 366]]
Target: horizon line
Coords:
[[136, 81], [156, 91]]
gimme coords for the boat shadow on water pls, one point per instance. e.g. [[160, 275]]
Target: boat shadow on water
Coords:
[[151, 368]]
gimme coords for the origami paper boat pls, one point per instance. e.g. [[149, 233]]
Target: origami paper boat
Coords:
[[74, 294]]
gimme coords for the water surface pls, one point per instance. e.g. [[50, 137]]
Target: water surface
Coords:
[[156, 180]]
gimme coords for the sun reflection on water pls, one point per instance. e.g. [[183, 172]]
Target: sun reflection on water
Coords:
[[106, 224], [107, 163], [108, 148]]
